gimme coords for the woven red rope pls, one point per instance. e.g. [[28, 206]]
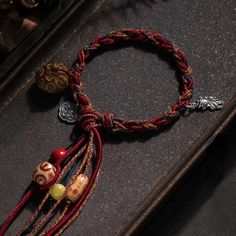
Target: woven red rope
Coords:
[[90, 118]]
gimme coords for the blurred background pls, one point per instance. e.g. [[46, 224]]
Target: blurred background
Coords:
[[18, 18], [205, 204]]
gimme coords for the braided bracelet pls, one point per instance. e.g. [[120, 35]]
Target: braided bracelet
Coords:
[[68, 178]]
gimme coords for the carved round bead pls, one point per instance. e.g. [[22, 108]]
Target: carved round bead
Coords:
[[44, 173], [57, 191], [77, 188], [58, 154], [52, 78]]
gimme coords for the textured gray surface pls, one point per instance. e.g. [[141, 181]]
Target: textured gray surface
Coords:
[[205, 204], [131, 83]]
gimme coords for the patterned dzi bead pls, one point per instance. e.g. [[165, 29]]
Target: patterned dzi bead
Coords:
[[44, 173], [77, 188]]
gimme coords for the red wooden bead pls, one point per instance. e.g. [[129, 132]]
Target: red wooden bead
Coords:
[[58, 154]]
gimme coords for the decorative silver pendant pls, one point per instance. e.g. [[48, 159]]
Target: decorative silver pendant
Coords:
[[204, 103], [68, 112]]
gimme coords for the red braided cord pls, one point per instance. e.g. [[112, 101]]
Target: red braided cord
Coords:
[[89, 117], [17, 209]]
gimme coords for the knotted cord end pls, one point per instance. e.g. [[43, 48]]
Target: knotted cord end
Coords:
[[89, 119]]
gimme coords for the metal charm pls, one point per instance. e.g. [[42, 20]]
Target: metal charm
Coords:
[[204, 103], [68, 112]]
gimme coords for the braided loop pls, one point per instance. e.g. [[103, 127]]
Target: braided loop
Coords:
[[89, 118]]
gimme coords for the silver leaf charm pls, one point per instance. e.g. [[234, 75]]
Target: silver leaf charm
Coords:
[[204, 103], [68, 112]]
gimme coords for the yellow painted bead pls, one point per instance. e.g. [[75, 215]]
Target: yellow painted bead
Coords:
[[57, 191]]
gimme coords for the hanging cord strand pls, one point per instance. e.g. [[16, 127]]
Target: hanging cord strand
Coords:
[[92, 180], [73, 218], [87, 153], [77, 213], [18, 209], [39, 208], [31, 190], [64, 211], [82, 166]]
